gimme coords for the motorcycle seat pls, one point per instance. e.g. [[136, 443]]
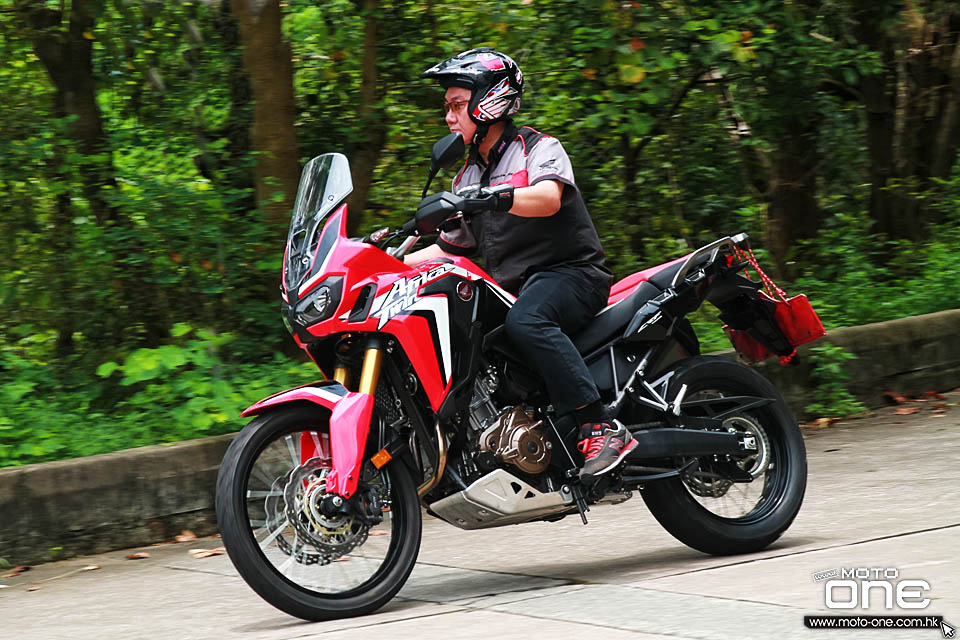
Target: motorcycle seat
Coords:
[[624, 304], [663, 278], [613, 319]]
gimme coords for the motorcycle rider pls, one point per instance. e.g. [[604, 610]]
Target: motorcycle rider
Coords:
[[537, 240]]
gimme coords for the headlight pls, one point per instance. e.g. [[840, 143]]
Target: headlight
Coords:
[[322, 300], [321, 303]]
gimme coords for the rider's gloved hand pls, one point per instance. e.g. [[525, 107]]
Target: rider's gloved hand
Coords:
[[498, 198]]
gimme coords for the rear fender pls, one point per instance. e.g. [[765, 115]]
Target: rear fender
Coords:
[[350, 415]]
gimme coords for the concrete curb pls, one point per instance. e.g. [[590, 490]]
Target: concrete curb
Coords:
[[908, 355], [147, 495], [99, 503]]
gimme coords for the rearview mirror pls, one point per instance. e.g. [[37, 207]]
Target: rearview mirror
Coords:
[[447, 151]]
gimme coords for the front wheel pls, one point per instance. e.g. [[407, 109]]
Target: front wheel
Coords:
[[714, 510], [298, 558]]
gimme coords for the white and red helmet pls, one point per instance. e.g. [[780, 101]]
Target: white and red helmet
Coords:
[[494, 79]]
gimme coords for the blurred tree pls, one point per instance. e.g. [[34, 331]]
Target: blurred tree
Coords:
[[371, 131], [912, 105], [266, 55], [62, 40]]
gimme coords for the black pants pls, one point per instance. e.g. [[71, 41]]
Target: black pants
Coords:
[[551, 306]]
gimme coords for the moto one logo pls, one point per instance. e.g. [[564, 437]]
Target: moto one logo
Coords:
[[860, 587]]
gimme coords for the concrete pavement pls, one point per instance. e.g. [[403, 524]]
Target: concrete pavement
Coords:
[[883, 492]]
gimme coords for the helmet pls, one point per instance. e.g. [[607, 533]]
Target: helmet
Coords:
[[493, 77]]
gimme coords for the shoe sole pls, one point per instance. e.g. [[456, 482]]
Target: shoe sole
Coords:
[[626, 451]]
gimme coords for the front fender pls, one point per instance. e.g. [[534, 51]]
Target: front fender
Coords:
[[350, 415]]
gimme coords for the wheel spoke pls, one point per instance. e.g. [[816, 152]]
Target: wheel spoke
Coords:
[[263, 494], [273, 536], [293, 453]]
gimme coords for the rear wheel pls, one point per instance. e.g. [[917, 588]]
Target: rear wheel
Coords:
[[713, 509], [309, 564]]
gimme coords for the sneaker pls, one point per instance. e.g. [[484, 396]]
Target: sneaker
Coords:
[[604, 444]]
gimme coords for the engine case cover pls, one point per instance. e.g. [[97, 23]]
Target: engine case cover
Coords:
[[514, 438]]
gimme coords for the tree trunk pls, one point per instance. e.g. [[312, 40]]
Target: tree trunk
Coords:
[[913, 109], [267, 59], [238, 125], [794, 213], [63, 247], [366, 153], [67, 57], [787, 183]]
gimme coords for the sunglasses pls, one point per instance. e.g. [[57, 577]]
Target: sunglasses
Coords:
[[456, 105]]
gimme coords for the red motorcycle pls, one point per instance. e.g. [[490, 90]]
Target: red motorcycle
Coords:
[[319, 496]]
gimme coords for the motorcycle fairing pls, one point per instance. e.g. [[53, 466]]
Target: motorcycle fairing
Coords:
[[349, 426]]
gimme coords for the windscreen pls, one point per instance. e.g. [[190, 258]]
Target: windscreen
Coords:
[[324, 184]]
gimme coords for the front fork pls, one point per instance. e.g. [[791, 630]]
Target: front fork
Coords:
[[349, 424], [369, 377]]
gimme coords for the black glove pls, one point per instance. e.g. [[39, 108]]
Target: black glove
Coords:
[[498, 198]]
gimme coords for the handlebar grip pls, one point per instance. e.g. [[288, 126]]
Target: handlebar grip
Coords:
[[409, 227], [475, 205]]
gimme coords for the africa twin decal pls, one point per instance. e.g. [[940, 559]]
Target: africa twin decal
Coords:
[[403, 294], [403, 299]]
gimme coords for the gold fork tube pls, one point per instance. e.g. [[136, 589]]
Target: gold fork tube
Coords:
[[341, 375], [370, 374]]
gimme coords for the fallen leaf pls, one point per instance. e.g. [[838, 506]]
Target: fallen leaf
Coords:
[[34, 588], [935, 395], [90, 567], [341, 559], [138, 556], [905, 411], [940, 405], [871, 470], [377, 533], [820, 423], [939, 415], [896, 397], [199, 554], [16, 571], [186, 536]]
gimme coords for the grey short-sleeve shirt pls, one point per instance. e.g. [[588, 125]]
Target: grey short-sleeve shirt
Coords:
[[514, 247]]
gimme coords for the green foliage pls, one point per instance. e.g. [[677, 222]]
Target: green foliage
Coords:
[[855, 277], [178, 391], [831, 399], [622, 84]]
